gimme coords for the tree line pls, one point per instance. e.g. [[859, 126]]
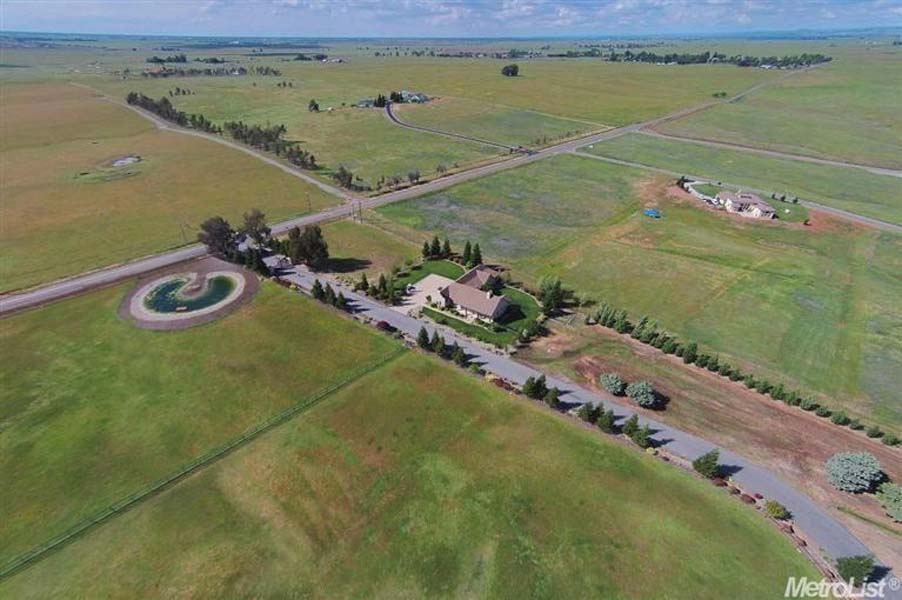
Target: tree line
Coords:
[[211, 72], [175, 58], [648, 332], [741, 60], [164, 109]]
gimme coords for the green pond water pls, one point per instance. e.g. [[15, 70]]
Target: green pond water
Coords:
[[166, 298]]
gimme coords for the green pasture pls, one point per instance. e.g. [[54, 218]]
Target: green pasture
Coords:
[[514, 127], [846, 110], [419, 481], [65, 210], [445, 268], [355, 247], [851, 189], [811, 308], [93, 409]]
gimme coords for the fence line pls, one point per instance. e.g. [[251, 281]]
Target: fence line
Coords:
[[120, 506]]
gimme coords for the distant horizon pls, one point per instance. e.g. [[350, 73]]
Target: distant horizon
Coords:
[[447, 19], [776, 33]]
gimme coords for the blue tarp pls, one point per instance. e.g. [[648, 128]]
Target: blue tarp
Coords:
[[650, 212]]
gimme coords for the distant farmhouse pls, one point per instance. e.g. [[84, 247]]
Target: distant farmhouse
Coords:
[[746, 204], [414, 97], [472, 294]]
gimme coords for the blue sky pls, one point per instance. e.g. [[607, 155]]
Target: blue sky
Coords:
[[442, 18]]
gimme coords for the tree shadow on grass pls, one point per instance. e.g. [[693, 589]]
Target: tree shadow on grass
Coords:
[[347, 265]]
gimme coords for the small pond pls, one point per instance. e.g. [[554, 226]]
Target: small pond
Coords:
[[170, 297]]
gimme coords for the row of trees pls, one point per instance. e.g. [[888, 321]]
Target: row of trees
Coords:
[[741, 60], [606, 422], [175, 58], [537, 389], [437, 345], [271, 138], [327, 295], [385, 288], [164, 109], [648, 332]]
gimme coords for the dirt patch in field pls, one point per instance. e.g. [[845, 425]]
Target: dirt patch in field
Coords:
[[791, 442], [822, 222]]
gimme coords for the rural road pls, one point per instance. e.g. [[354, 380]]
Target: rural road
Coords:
[[821, 528], [59, 289], [773, 153], [389, 113], [838, 212]]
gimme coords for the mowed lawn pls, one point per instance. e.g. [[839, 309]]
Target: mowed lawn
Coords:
[[93, 409], [355, 247], [515, 127], [809, 306], [420, 481], [851, 189], [848, 110], [65, 209]]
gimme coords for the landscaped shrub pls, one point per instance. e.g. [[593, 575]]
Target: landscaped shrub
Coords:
[[552, 397], [890, 497], [612, 383], [874, 432], [587, 413], [855, 569], [776, 510], [854, 471], [642, 394], [808, 404], [856, 425], [891, 439], [707, 464], [702, 360], [839, 418], [822, 411], [690, 353]]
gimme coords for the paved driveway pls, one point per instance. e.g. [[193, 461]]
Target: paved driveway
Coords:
[[428, 286]]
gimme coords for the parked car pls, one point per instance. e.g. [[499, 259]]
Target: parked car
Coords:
[[385, 326]]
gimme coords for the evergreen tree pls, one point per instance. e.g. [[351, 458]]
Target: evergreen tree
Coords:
[[642, 437], [476, 256], [329, 296], [435, 249], [690, 353], [529, 387], [551, 397], [423, 338], [605, 421], [364, 284], [706, 464], [427, 251], [630, 426], [341, 302], [438, 344], [458, 355], [317, 290], [467, 253], [446, 248]]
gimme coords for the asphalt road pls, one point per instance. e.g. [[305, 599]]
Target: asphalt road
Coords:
[[773, 153], [821, 528]]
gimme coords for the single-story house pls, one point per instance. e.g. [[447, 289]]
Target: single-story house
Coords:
[[414, 97], [746, 204], [473, 302], [480, 277], [365, 103]]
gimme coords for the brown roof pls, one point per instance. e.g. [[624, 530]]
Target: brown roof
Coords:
[[478, 276], [470, 298]]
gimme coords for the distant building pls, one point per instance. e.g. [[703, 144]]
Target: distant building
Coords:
[[365, 103], [413, 97], [746, 204]]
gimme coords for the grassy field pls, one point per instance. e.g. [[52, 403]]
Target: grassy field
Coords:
[[93, 409], [445, 268], [855, 190], [514, 127], [436, 485], [847, 110], [354, 247], [66, 210], [811, 306]]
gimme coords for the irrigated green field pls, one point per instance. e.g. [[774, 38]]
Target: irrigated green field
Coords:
[[420, 481], [851, 189], [356, 247], [66, 210], [810, 306], [847, 110], [93, 409]]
